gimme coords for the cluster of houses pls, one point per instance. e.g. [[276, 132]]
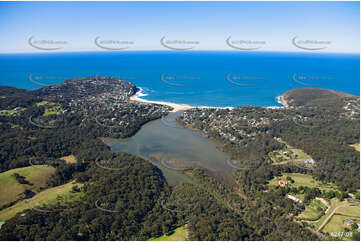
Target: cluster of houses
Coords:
[[229, 123], [94, 95], [352, 108]]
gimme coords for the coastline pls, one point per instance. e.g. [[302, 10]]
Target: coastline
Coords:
[[181, 107], [176, 107], [281, 100]]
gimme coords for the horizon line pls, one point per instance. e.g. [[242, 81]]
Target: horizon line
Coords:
[[180, 51]]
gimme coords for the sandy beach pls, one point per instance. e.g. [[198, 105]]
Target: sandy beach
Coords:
[[281, 100], [176, 107]]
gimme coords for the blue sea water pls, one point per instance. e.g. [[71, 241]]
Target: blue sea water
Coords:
[[197, 78]]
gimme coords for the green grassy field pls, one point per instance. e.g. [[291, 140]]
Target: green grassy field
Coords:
[[278, 157], [334, 202], [300, 154], [338, 223], [8, 112], [303, 180], [54, 110], [335, 223], [51, 108], [351, 210], [178, 234], [49, 196], [313, 210], [43, 103], [11, 189]]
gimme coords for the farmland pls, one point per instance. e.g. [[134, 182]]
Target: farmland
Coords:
[[178, 234], [303, 180], [56, 195], [11, 189]]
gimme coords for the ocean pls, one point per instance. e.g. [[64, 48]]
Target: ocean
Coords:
[[196, 78]]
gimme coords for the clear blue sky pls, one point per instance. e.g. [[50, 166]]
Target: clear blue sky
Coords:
[[210, 23]]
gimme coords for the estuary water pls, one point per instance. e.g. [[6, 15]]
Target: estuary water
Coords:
[[173, 148]]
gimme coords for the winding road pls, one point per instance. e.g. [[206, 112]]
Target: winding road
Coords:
[[332, 213]]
